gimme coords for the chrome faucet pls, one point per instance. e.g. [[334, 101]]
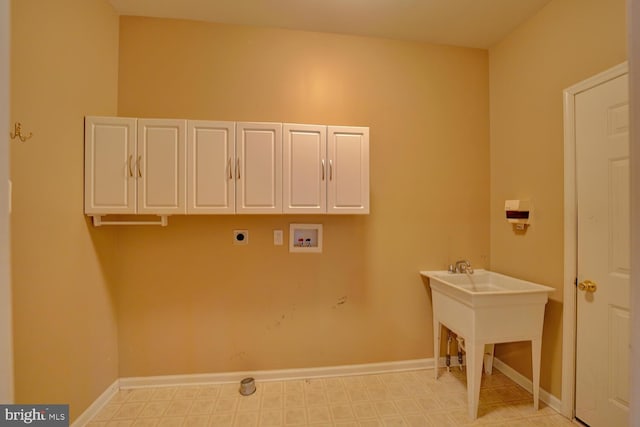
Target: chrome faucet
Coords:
[[463, 266]]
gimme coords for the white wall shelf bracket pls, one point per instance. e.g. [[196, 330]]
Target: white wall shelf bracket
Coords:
[[163, 221]]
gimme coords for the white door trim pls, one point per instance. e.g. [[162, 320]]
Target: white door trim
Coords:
[[571, 237]]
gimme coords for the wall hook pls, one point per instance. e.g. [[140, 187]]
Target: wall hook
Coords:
[[17, 133]]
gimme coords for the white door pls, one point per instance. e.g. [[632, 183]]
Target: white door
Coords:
[[603, 327], [160, 166], [210, 167], [109, 156], [259, 168], [304, 169], [348, 170]]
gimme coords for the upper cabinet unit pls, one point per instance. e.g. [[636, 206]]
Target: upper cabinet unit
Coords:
[[134, 166], [348, 154], [166, 166], [326, 169], [259, 168]]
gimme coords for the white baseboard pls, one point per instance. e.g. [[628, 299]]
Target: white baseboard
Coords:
[[524, 382], [276, 375], [97, 405]]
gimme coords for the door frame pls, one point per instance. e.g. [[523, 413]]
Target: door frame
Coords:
[[633, 43], [569, 326]]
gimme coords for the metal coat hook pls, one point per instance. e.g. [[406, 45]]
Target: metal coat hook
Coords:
[[17, 133]]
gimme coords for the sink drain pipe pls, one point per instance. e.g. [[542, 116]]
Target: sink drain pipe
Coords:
[[460, 350], [447, 358]]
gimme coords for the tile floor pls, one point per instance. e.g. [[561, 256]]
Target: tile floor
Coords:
[[411, 398]]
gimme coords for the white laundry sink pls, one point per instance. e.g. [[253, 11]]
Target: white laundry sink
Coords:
[[487, 308]]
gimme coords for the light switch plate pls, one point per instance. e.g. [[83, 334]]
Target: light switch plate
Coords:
[[278, 237]]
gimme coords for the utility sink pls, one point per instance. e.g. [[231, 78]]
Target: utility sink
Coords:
[[486, 308]]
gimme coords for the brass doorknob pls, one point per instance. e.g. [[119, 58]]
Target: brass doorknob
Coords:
[[588, 286]]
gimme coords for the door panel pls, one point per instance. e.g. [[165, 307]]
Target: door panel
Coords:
[[210, 169], [160, 166], [348, 154], [259, 168], [602, 169], [110, 150], [304, 180]]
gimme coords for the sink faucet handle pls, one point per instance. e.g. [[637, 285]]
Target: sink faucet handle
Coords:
[[452, 268]]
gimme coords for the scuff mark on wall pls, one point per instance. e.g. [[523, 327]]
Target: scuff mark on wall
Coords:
[[241, 355], [341, 301], [281, 319]]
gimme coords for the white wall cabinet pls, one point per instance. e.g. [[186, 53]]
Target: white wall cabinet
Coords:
[[304, 173], [160, 166], [134, 166], [348, 154], [259, 168], [165, 166], [211, 162], [326, 169], [110, 154]]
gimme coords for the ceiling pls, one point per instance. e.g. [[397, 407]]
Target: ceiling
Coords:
[[469, 23]]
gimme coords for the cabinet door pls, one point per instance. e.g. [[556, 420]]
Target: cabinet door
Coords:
[[304, 173], [348, 154], [210, 167], [109, 156], [259, 168], [161, 166]]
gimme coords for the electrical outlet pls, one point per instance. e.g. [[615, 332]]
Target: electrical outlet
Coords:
[[240, 237]]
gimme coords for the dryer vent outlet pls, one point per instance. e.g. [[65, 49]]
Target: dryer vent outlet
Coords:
[[240, 237]]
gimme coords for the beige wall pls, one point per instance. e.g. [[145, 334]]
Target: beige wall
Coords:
[[566, 42], [189, 301], [63, 66]]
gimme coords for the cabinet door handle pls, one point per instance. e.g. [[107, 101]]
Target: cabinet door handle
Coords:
[[129, 163], [138, 166], [238, 167], [330, 170], [323, 169], [229, 167]]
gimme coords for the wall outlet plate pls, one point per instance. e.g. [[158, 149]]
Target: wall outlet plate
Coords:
[[240, 237]]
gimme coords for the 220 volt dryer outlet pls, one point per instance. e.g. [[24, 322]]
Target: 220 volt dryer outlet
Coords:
[[240, 237]]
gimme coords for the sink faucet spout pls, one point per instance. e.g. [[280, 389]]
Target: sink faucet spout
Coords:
[[463, 266]]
